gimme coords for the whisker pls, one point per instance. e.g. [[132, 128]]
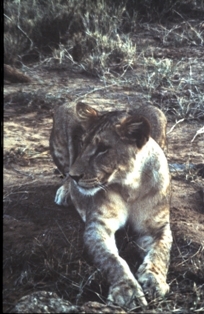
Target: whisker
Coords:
[[103, 187]]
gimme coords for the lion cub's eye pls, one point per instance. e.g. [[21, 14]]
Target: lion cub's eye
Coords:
[[101, 148]]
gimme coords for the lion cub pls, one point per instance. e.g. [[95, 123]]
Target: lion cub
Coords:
[[117, 174]]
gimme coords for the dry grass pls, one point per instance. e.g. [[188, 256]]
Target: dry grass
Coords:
[[94, 34], [97, 38], [176, 87]]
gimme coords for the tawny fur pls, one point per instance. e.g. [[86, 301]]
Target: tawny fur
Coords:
[[117, 174]]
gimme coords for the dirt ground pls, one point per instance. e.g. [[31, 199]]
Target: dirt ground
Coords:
[[43, 248]]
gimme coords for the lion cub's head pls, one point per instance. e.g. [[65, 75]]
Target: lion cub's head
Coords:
[[110, 143]]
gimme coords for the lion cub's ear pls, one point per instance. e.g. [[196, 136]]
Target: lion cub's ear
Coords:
[[85, 112], [135, 129]]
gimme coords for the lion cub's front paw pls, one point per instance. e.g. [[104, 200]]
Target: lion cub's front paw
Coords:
[[127, 294], [62, 196], [154, 285]]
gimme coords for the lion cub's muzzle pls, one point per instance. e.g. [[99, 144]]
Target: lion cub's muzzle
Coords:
[[81, 181], [86, 186], [76, 177]]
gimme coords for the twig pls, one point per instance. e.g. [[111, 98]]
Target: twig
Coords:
[[177, 122], [63, 233], [22, 31], [39, 154], [24, 173], [200, 131], [20, 185], [95, 90]]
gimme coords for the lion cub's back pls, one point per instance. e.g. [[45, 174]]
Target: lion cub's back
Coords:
[[61, 136], [157, 120]]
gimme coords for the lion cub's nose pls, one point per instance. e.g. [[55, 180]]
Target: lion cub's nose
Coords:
[[76, 177]]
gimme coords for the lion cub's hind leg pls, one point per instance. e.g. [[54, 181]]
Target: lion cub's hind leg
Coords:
[[62, 196]]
